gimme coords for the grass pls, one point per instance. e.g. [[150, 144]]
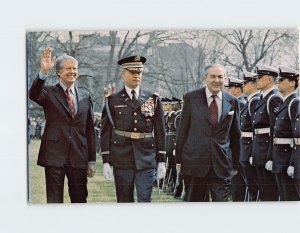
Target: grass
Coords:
[[100, 190]]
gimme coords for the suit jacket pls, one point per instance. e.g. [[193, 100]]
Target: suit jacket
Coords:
[[282, 152], [64, 139], [263, 143], [126, 153], [246, 126], [199, 146]]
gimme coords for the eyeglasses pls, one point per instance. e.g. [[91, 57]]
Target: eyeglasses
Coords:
[[134, 71]]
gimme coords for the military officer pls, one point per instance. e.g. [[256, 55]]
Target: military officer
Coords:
[[263, 126], [283, 135], [133, 135], [294, 114], [246, 114]]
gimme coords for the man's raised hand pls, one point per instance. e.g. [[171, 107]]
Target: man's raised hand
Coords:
[[47, 62]]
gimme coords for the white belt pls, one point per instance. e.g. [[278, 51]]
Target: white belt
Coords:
[[297, 141], [281, 141], [246, 134], [262, 131]]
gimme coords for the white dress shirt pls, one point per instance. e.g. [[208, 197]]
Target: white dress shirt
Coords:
[[218, 100]]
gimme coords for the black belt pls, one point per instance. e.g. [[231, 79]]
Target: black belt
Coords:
[[133, 135]]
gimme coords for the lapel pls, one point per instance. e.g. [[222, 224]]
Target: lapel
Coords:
[[79, 103], [61, 97], [125, 98], [264, 100], [245, 107], [200, 102], [141, 100], [285, 104], [226, 106]]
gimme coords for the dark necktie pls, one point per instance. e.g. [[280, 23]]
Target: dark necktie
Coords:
[[213, 108], [133, 96], [70, 102]]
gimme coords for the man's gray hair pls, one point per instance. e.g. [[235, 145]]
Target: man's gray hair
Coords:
[[212, 66], [60, 61]]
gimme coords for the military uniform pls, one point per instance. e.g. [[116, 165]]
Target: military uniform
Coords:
[[238, 185], [283, 143], [295, 157], [132, 136], [246, 115], [263, 126]]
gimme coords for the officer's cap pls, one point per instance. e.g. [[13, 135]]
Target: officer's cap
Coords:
[[266, 70], [175, 99], [135, 61], [286, 72], [234, 82], [166, 100], [248, 76]]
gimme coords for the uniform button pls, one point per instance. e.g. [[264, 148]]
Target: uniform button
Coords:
[[135, 129], [115, 142], [120, 113], [254, 113], [274, 127], [135, 113], [276, 118], [253, 121], [135, 121], [297, 119], [267, 141]]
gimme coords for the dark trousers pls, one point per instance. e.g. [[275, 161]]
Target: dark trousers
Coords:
[[197, 188], [297, 184], [125, 180], [238, 186], [286, 187], [250, 178], [267, 185], [77, 183]]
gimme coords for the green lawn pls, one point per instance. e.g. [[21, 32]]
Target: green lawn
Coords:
[[99, 189]]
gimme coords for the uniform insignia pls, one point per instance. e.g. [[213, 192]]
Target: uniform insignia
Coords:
[[276, 109], [120, 106], [147, 108], [137, 58]]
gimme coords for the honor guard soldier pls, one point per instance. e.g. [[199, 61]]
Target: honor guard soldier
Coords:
[[235, 87], [133, 136], [283, 135], [171, 144], [294, 114], [177, 107], [263, 127], [246, 115], [238, 188]]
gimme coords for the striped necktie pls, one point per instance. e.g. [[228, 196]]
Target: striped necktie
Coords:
[[70, 102]]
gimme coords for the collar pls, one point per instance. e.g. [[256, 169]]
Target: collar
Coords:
[[137, 91], [209, 94], [285, 97], [249, 97], [64, 87], [267, 91]]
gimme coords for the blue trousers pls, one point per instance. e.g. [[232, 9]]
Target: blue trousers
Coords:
[[125, 180]]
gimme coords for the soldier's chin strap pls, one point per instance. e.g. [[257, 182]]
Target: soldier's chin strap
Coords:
[[108, 113]]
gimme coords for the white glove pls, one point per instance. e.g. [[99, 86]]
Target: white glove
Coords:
[[290, 171], [174, 152], [269, 165], [107, 172], [251, 160], [161, 170], [178, 167]]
